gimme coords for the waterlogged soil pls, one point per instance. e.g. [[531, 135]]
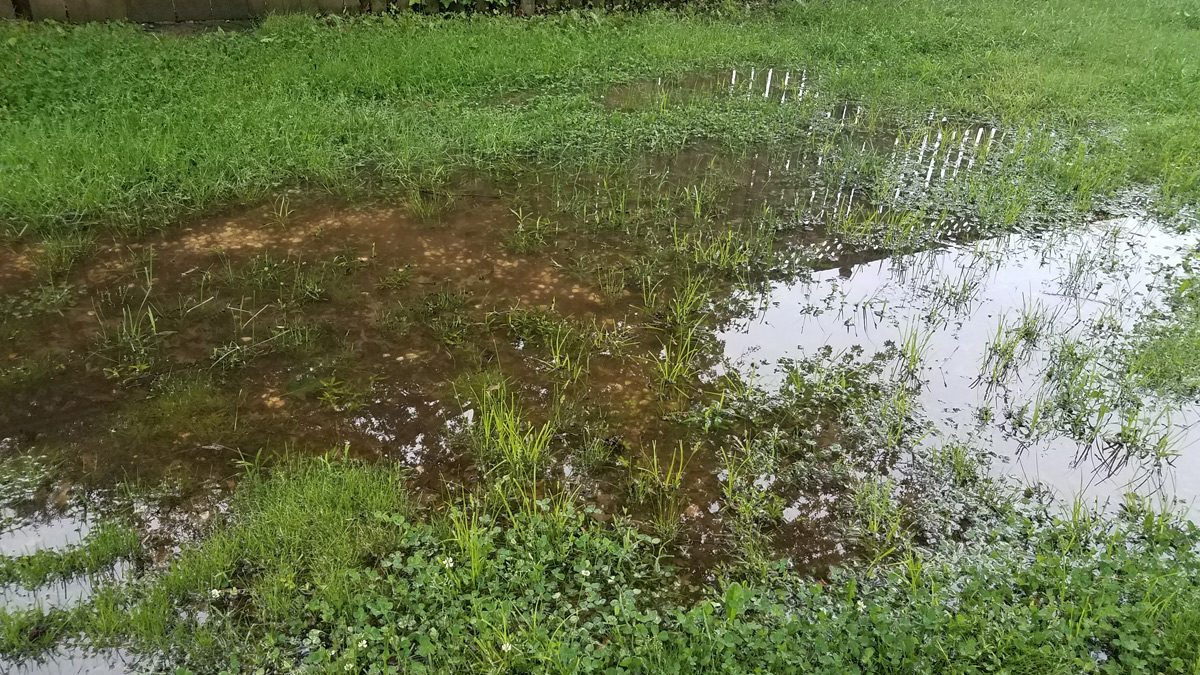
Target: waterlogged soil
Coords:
[[308, 325]]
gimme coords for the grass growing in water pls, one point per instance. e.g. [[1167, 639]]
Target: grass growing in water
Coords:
[[99, 551], [324, 564], [1166, 356]]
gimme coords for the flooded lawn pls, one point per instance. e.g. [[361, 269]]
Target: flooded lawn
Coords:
[[725, 346]]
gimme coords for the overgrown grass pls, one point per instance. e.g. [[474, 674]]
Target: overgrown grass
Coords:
[[110, 123], [325, 564]]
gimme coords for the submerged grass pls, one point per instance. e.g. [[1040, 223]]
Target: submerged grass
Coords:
[[98, 552], [109, 122], [1166, 355]]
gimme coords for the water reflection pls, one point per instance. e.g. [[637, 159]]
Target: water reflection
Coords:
[[952, 303]]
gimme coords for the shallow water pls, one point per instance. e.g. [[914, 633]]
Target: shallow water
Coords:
[[74, 661], [60, 593], [883, 302], [55, 533], [774, 85]]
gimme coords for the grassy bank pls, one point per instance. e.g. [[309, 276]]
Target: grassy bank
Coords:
[[325, 566], [108, 124]]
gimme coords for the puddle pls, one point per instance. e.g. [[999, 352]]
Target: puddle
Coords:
[[303, 326], [56, 533], [73, 661], [60, 593], [952, 300]]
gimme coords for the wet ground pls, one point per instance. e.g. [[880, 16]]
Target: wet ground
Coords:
[[624, 303]]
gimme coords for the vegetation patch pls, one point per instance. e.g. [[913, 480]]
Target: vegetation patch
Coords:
[[325, 565], [1166, 358]]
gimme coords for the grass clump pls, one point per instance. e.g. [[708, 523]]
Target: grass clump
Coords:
[[296, 538], [59, 254], [180, 407], [98, 552], [446, 315], [1166, 357]]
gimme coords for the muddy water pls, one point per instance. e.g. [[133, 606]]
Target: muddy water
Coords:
[[953, 299]]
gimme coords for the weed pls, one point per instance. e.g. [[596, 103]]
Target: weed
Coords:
[[282, 211], [505, 440], [339, 395], [397, 278], [469, 530], [444, 314], [656, 486], [131, 347], [747, 470], [60, 254], [686, 306], [676, 364], [531, 234], [879, 518], [913, 346]]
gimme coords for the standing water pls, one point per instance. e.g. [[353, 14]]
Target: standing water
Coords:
[[958, 307]]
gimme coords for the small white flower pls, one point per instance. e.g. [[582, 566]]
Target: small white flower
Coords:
[[585, 573], [362, 644], [506, 647], [448, 562], [215, 593], [349, 666]]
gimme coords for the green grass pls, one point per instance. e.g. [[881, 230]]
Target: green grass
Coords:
[[178, 407], [1166, 354], [327, 564], [108, 123], [324, 565]]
